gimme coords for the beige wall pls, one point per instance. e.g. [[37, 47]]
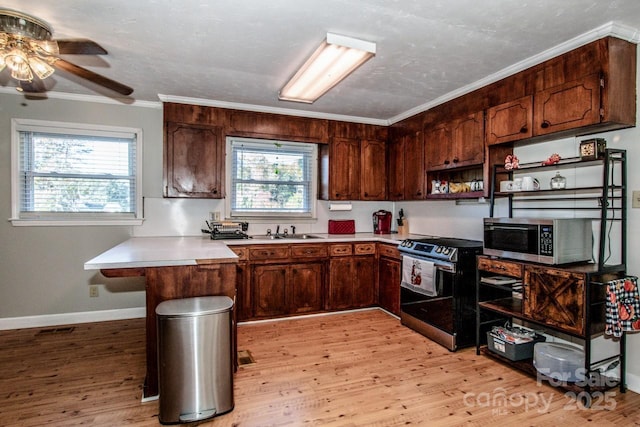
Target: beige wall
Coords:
[[41, 268]]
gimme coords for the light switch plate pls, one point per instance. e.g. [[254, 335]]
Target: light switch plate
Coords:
[[635, 199]]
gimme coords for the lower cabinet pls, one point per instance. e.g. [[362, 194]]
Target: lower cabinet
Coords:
[[282, 289], [389, 277], [554, 297], [352, 276]]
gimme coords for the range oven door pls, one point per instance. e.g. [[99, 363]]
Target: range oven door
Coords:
[[430, 314]]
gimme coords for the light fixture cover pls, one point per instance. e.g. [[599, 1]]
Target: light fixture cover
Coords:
[[336, 58]]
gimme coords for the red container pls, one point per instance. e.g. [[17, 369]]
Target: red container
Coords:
[[344, 226]]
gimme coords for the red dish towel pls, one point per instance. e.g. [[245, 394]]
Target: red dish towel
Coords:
[[623, 306]]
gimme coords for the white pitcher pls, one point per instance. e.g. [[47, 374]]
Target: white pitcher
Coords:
[[530, 184]]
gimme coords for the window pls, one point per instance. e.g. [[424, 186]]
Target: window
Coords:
[[271, 178], [66, 174]]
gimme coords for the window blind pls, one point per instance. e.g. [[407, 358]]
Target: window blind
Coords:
[[272, 178], [76, 173]]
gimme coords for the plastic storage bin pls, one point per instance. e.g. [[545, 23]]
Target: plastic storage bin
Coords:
[[562, 362], [195, 360], [510, 350]]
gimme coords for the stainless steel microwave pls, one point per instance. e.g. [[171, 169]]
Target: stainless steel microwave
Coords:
[[543, 240]]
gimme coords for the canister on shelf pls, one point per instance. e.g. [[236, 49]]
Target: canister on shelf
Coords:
[[558, 182]]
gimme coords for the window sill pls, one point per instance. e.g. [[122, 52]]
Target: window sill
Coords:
[[17, 222]]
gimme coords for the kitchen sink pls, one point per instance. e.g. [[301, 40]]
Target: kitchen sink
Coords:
[[288, 237]]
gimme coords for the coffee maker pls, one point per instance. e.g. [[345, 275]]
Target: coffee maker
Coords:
[[382, 222]]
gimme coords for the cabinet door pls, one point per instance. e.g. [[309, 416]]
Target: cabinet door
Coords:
[[438, 145], [340, 283], [395, 162], [373, 170], [510, 121], [567, 106], [389, 276], [344, 169], [554, 297], [194, 161], [467, 137], [414, 175], [243, 298], [305, 287], [269, 290], [364, 283]]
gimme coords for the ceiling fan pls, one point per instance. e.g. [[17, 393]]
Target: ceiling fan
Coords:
[[31, 55]]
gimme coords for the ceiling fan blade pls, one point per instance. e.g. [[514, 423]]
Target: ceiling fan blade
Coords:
[[93, 77], [34, 86], [80, 47]]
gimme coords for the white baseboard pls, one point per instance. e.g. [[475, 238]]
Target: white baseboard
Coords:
[[71, 318]]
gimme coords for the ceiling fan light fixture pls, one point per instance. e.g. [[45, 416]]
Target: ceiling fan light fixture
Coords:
[[336, 58], [22, 73], [16, 59], [40, 67]]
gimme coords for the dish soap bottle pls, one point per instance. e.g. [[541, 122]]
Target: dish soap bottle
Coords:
[[558, 182]]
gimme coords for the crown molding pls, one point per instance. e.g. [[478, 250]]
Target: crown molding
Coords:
[[612, 29], [85, 98], [274, 110]]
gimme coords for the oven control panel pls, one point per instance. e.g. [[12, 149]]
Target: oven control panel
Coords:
[[428, 249]]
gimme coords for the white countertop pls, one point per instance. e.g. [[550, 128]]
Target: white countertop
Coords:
[[191, 250], [161, 251]]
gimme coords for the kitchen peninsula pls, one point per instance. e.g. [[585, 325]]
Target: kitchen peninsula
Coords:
[[173, 267], [182, 267]]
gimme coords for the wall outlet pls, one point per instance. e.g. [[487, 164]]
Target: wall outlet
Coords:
[[93, 291], [635, 199], [214, 216]]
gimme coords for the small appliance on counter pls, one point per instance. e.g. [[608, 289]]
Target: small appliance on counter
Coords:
[[382, 222], [342, 226], [227, 230]]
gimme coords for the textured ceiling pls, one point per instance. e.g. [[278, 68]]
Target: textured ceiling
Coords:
[[241, 52]]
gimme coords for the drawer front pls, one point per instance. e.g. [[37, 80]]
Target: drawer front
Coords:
[[242, 252], [364, 248], [341, 250], [389, 251], [269, 252], [503, 268], [302, 251]]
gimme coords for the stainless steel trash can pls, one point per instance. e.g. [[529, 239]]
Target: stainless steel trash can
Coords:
[[195, 360]]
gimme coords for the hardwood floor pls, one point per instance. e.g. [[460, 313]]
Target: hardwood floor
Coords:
[[352, 369]]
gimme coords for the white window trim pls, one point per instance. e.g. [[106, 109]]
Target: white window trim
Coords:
[[106, 218], [270, 216]]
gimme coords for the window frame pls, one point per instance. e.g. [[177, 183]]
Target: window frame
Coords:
[[229, 212], [75, 218]]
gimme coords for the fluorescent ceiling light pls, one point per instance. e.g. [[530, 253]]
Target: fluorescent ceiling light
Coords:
[[336, 58]]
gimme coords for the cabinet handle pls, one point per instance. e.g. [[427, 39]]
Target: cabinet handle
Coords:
[[455, 160], [419, 193], [366, 194], [214, 191], [545, 124], [337, 194], [523, 129], [446, 162]]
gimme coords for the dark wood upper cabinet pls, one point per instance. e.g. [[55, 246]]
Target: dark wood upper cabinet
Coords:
[[395, 168], [373, 170], [510, 121], [571, 105], [194, 161], [455, 144], [344, 169], [275, 126], [353, 166], [414, 171]]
